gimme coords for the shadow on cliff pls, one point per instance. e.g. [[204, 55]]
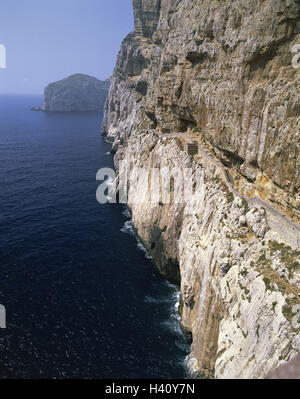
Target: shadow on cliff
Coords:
[[169, 267]]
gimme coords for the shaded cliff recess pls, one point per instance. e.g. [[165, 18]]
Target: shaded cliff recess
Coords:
[[219, 75]]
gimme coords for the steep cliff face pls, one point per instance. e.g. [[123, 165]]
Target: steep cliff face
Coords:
[[146, 16], [223, 72], [77, 93]]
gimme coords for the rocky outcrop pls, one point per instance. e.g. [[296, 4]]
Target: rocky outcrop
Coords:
[[223, 72], [77, 93], [146, 16]]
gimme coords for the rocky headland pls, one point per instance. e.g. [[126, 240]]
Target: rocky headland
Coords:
[[77, 93], [222, 74]]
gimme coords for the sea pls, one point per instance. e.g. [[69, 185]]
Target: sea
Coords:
[[83, 299]]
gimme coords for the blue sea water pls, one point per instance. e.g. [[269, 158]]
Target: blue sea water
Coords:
[[82, 298]]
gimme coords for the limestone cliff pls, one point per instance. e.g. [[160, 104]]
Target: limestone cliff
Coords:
[[221, 73], [77, 93]]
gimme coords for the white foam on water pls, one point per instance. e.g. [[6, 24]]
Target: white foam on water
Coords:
[[186, 359], [173, 323], [173, 326], [150, 299], [126, 213], [171, 285], [128, 228], [183, 346], [108, 141], [142, 248]]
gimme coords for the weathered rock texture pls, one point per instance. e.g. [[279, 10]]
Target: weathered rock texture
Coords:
[[224, 71], [77, 93], [146, 16]]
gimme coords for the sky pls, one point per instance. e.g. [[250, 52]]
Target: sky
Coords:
[[48, 40]]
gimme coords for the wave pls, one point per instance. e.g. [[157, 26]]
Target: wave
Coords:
[[143, 249], [159, 300], [129, 229], [172, 300], [126, 213]]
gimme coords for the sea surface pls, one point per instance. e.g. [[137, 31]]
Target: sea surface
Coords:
[[83, 299]]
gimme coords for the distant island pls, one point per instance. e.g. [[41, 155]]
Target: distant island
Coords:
[[77, 93]]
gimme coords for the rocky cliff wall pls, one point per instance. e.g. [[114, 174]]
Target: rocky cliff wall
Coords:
[[146, 16], [223, 71]]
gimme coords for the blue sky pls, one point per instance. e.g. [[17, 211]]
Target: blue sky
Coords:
[[47, 40]]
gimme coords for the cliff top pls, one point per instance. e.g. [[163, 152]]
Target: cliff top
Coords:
[[79, 79]]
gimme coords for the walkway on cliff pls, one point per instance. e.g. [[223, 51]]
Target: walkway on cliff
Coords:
[[255, 201]]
